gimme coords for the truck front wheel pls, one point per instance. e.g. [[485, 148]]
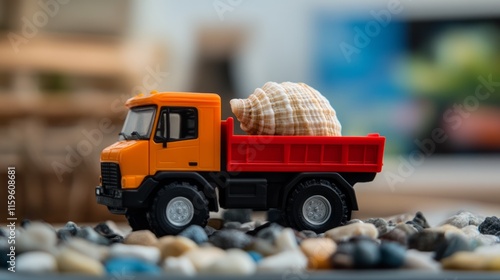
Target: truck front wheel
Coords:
[[175, 207], [316, 205]]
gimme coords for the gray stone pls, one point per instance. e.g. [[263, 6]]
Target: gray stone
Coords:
[[426, 240], [230, 238], [463, 219], [232, 225], [380, 224], [454, 243], [270, 232], [396, 235], [366, 254], [420, 220], [392, 255], [91, 235], [491, 225], [195, 233]]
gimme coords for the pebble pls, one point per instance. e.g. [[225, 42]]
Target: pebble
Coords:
[[318, 252], [286, 240], [486, 239], [448, 230], [209, 230], [348, 231], [141, 237], [69, 230], [215, 223], [95, 251], [204, 256], [36, 262], [366, 254], [230, 238], [402, 218], [343, 256], [463, 219], [174, 246], [237, 215], [308, 234], [249, 226], [392, 255], [426, 241], [195, 233], [467, 261], [91, 235], [354, 221], [470, 231], [380, 224], [287, 260], [37, 236], [107, 231], [453, 244], [409, 229], [128, 267], [263, 247], [491, 225], [269, 232], [234, 262], [415, 259], [489, 250], [256, 257], [420, 220], [179, 266], [69, 260], [396, 235], [146, 253]]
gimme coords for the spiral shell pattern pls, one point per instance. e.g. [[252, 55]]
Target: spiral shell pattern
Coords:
[[286, 109]]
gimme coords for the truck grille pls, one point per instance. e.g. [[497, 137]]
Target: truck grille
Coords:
[[111, 177]]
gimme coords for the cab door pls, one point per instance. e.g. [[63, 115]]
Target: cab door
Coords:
[[175, 145]]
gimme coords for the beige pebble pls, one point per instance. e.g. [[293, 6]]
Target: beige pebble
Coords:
[[98, 252], [234, 262], [141, 237], [467, 261], [318, 252], [204, 256], [286, 240], [37, 236], [263, 247], [448, 229], [348, 231], [174, 246], [69, 260]]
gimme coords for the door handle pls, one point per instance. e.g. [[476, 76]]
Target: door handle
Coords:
[[193, 163]]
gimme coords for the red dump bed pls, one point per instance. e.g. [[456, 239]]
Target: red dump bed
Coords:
[[255, 153]]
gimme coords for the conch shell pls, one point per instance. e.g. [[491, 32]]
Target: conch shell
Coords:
[[286, 109]]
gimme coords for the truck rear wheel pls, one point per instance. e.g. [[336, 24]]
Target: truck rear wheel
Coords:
[[177, 206], [316, 205], [137, 219]]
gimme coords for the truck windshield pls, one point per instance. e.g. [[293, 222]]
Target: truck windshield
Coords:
[[138, 123]]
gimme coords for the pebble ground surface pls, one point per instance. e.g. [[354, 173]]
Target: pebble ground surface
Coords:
[[235, 245]]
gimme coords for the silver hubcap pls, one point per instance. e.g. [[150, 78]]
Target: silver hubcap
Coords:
[[180, 211], [316, 210]]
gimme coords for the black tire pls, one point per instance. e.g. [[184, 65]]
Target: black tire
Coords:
[[194, 209], [326, 195], [137, 219]]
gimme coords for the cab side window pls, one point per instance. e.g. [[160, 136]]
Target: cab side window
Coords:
[[177, 123]]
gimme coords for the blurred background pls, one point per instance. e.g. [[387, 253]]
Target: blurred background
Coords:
[[425, 74]]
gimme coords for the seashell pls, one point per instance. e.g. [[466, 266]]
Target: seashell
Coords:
[[286, 109]]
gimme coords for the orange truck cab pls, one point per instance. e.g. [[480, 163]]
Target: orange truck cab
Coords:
[[176, 161]]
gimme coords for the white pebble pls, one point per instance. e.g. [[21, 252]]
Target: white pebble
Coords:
[[37, 237], [98, 252], [38, 262], [285, 260], [147, 253], [179, 266], [235, 262], [415, 259]]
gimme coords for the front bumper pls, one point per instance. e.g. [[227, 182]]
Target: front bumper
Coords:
[[118, 200]]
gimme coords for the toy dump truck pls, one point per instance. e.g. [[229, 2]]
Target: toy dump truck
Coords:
[[176, 161]]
